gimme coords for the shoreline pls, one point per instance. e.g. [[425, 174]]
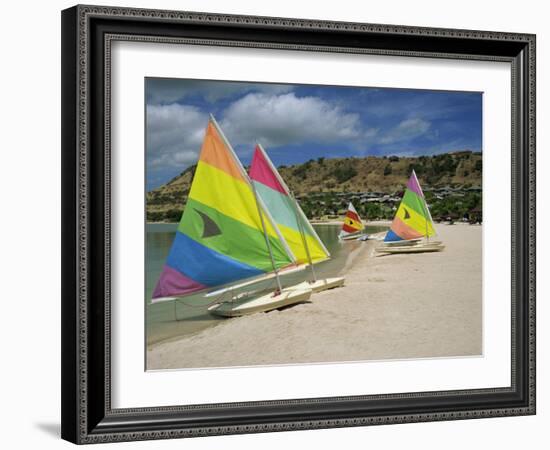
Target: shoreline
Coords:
[[391, 307], [351, 259]]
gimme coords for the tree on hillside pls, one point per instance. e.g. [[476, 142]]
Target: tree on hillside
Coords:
[[343, 174]]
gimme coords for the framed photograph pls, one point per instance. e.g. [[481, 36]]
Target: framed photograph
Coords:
[[280, 224]]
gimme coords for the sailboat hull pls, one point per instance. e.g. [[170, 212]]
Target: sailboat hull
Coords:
[[320, 285], [351, 237], [412, 242], [262, 303], [418, 248], [402, 243]]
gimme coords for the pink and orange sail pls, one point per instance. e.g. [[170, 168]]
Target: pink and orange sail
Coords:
[[412, 219], [224, 234], [289, 218]]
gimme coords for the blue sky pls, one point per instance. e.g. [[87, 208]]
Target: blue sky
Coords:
[[296, 123]]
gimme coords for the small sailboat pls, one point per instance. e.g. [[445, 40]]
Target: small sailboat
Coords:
[[301, 237], [353, 227], [225, 236], [412, 228]]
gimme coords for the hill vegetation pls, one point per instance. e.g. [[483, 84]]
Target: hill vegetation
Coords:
[[328, 179]]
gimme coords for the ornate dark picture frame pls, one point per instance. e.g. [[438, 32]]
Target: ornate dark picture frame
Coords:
[[87, 34]]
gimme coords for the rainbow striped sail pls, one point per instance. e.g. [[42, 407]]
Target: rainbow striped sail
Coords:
[[220, 238], [412, 219], [286, 213]]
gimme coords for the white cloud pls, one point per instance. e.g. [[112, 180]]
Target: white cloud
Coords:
[[282, 119], [174, 135], [370, 133], [170, 90], [405, 154], [405, 130]]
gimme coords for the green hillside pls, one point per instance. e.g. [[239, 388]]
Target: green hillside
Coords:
[[329, 179]]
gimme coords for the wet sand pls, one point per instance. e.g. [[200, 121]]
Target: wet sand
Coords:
[[392, 307]]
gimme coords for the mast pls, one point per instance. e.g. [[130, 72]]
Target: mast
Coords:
[[425, 205]]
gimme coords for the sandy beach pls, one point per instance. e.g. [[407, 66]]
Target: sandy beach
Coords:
[[392, 307]]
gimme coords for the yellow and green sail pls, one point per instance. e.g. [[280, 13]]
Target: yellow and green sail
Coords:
[[285, 211], [220, 238], [412, 219]]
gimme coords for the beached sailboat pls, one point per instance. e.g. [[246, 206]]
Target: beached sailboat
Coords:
[[301, 237], [353, 227], [412, 229], [225, 236]]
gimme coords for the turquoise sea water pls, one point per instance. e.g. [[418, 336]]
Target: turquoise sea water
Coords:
[[168, 320]]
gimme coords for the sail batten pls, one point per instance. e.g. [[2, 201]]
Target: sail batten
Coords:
[[412, 219], [221, 237]]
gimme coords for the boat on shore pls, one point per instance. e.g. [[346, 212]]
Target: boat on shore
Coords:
[[291, 220], [226, 237], [261, 303], [416, 248], [233, 234], [353, 227], [412, 229]]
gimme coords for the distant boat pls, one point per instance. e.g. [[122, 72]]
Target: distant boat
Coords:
[[303, 240], [353, 227], [412, 227], [226, 236]]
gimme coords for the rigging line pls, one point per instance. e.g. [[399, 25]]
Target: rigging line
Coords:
[[187, 305], [424, 208], [302, 234]]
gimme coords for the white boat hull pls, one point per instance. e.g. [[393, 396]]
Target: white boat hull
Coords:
[[351, 237], [418, 248], [320, 285], [262, 303], [403, 242]]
